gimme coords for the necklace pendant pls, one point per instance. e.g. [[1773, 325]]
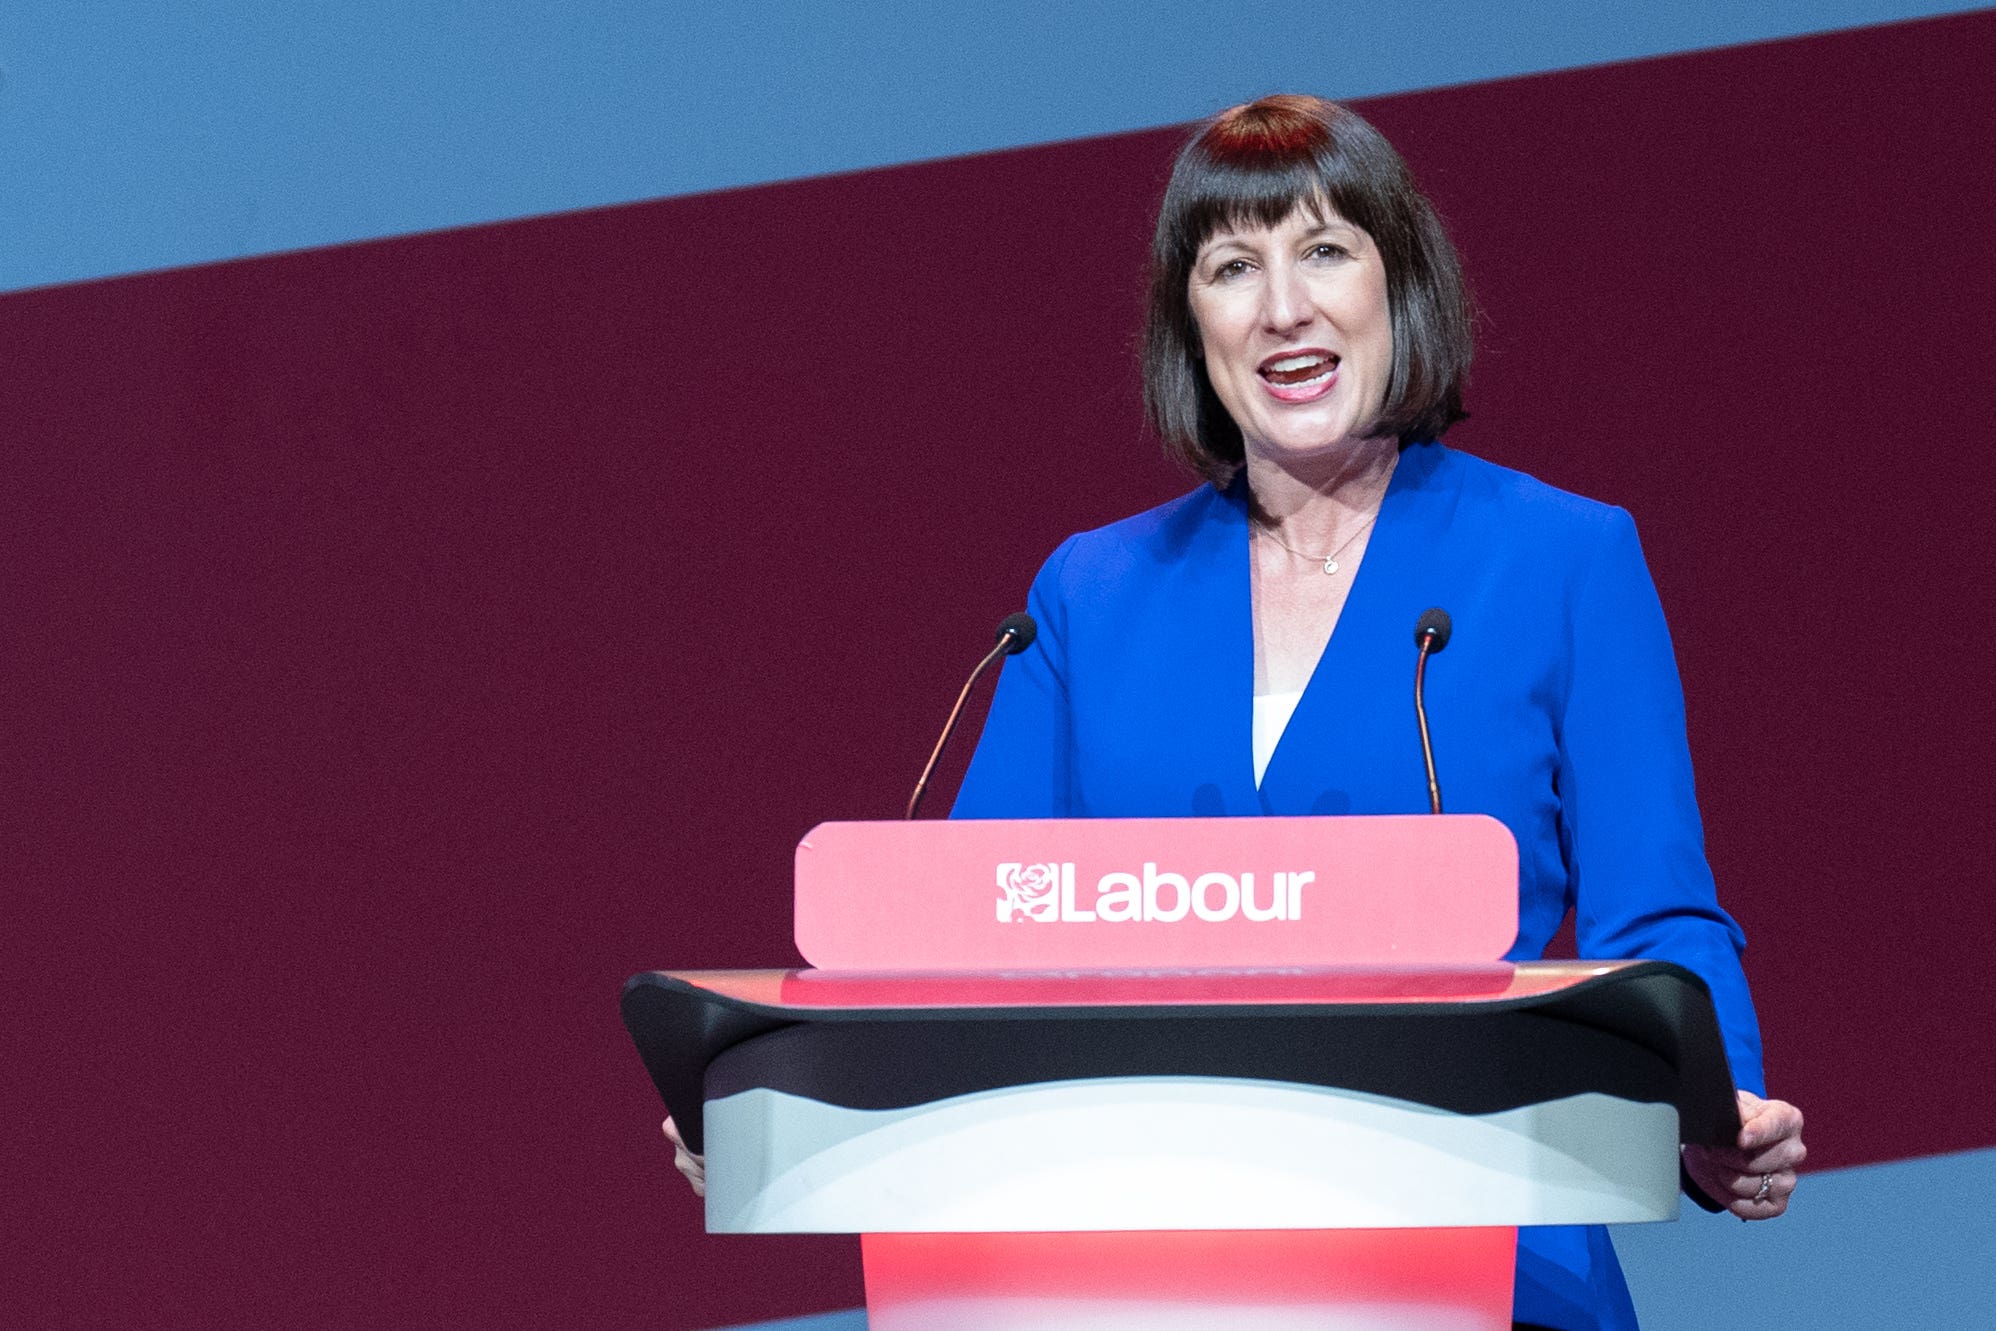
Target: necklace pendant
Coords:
[[1330, 566]]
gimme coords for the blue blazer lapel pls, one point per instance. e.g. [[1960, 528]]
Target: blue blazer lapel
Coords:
[[1354, 729]]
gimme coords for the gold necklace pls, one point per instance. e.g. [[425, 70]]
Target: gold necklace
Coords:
[[1329, 561]]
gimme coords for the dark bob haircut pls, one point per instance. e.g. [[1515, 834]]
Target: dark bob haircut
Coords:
[[1253, 165]]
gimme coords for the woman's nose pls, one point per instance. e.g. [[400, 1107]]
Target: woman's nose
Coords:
[[1285, 298]]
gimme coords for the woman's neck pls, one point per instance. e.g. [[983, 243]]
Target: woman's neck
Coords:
[[1315, 501]]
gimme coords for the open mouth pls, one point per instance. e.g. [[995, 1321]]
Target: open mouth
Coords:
[[1300, 369]]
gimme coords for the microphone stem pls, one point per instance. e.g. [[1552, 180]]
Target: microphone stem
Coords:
[[1421, 715], [921, 787]]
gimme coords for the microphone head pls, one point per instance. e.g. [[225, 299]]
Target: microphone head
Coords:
[[1022, 631], [1432, 629]]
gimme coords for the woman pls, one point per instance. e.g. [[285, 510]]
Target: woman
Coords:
[[1247, 649], [1308, 334]]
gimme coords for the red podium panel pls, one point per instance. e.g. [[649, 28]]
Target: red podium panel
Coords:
[[1270, 1280]]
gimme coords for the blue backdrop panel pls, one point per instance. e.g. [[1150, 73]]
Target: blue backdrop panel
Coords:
[[137, 135]]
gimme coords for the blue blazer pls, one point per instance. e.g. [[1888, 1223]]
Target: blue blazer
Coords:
[[1556, 708]]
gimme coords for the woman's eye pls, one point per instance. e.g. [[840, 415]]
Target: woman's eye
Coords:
[[1326, 250], [1231, 268]]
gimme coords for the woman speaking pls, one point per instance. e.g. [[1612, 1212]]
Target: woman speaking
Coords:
[[1247, 649]]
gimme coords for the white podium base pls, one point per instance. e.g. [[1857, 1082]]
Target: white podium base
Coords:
[[1165, 1153]]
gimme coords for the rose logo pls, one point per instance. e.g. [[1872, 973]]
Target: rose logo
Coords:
[[1031, 890]]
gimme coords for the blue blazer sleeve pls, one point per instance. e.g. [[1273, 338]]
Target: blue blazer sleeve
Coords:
[[1629, 825]]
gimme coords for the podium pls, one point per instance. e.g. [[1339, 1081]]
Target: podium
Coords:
[[1348, 1135]]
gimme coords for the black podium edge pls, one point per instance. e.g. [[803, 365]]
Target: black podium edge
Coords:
[[679, 1028]]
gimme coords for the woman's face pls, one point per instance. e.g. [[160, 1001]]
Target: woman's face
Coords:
[[1295, 332]]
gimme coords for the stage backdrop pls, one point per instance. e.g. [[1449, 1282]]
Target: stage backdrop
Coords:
[[406, 642]]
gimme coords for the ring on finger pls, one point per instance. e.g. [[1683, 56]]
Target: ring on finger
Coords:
[[1766, 1186]]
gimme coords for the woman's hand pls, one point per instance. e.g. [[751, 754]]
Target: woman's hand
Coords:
[[695, 1166], [1756, 1177]]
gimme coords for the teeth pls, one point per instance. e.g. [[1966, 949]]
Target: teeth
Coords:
[[1301, 369]]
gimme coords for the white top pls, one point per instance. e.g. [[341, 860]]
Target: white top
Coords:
[[1271, 717]]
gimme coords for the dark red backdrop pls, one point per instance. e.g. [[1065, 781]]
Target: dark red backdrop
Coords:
[[406, 642]]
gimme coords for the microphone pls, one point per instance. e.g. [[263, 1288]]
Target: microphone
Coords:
[[1015, 634], [1021, 629], [1431, 634]]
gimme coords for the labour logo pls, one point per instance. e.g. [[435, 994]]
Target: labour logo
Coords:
[[1028, 891], [1048, 893]]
